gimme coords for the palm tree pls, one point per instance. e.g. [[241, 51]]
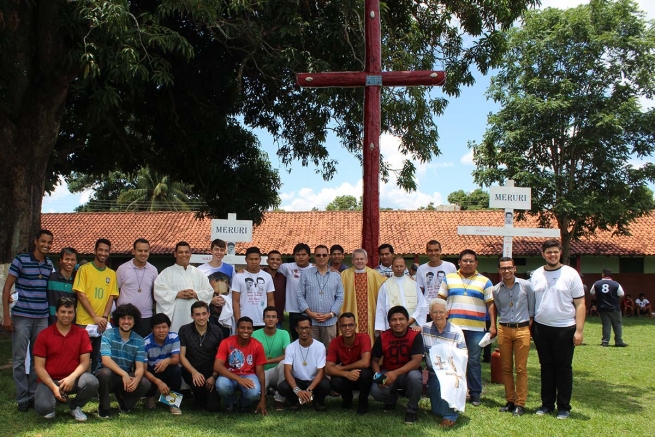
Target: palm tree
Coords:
[[156, 192]]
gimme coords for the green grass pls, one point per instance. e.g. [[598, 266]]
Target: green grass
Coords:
[[613, 395]]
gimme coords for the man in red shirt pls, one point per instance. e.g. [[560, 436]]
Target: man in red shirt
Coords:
[[240, 366], [401, 351], [348, 363], [61, 358]]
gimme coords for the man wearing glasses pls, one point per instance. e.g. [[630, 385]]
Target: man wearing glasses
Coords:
[[320, 296], [348, 363], [469, 296], [514, 301]]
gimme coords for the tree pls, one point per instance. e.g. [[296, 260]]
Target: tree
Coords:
[[95, 86], [571, 121], [429, 207], [344, 203], [476, 199]]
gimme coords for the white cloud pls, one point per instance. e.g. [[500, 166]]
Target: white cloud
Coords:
[[85, 196], [467, 159], [306, 198]]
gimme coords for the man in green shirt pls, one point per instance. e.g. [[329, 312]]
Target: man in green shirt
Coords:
[[275, 342]]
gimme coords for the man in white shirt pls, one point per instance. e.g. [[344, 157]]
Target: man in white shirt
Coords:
[[400, 290], [558, 327], [250, 301], [291, 271], [430, 274], [218, 249], [179, 286]]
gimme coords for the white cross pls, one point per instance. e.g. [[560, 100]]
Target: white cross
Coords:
[[508, 232]]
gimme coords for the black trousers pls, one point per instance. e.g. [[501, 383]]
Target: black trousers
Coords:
[[555, 349], [203, 399], [345, 387]]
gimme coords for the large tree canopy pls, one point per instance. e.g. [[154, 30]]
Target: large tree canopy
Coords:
[[571, 121], [176, 85]]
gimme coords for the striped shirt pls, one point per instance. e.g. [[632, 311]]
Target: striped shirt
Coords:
[[321, 294], [156, 353], [59, 286], [31, 282], [451, 335], [124, 353], [467, 299]]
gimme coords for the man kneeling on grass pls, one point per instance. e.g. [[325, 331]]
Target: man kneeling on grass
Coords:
[[163, 358], [396, 360], [61, 357], [123, 362]]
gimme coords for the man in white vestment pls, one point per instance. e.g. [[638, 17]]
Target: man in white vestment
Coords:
[[177, 287], [401, 290]]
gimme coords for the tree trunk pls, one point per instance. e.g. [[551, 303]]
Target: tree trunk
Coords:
[[566, 238], [30, 118]]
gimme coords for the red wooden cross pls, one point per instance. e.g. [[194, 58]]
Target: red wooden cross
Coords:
[[373, 79]]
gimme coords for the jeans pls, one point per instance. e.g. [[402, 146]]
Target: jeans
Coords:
[[85, 387], [514, 345], [411, 383], [110, 382], [439, 407], [555, 349], [612, 320], [26, 330], [172, 377], [227, 389], [473, 368]]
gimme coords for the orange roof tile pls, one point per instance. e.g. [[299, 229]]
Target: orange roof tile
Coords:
[[407, 231]]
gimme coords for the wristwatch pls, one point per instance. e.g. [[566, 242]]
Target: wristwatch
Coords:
[[296, 390]]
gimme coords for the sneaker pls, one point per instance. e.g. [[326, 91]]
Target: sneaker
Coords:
[[508, 408], [518, 411], [476, 402], [78, 414], [23, 406], [605, 344], [563, 414], [279, 406], [49, 415], [622, 345], [389, 408], [174, 411], [150, 403], [542, 411], [410, 418], [270, 391], [122, 409], [103, 414]]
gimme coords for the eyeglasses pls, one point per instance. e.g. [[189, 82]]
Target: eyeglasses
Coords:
[[347, 326], [66, 300], [321, 255]]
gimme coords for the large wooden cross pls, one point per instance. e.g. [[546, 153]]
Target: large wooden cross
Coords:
[[373, 79]]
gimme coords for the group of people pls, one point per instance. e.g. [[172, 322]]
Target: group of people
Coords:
[[219, 331]]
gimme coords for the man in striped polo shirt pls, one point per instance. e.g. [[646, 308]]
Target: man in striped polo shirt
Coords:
[[123, 362], [469, 296], [60, 283], [29, 272]]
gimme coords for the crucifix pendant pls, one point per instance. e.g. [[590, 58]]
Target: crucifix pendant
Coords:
[[511, 304], [304, 363], [139, 290], [40, 276]]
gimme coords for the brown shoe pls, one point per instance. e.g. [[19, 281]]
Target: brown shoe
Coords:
[[150, 403], [447, 423]]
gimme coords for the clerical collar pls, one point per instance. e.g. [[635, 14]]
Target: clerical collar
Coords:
[[360, 271]]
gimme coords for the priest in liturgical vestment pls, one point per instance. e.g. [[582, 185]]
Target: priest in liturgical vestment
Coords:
[[361, 285], [403, 291], [177, 287]]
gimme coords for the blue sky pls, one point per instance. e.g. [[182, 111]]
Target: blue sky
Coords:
[[464, 120]]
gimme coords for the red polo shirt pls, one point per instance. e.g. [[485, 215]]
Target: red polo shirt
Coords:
[[61, 353], [339, 353]]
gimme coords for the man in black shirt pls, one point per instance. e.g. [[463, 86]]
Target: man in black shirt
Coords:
[[608, 304], [199, 342]]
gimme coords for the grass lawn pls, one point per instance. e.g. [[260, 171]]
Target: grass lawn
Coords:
[[613, 395]]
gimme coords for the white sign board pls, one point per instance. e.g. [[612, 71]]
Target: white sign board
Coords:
[[510, 197], [232, 229], [198, 258]]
